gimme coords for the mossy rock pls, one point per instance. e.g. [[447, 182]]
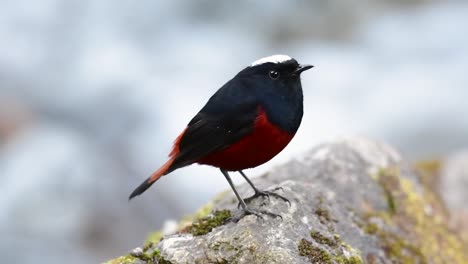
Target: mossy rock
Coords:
[[352, 201]]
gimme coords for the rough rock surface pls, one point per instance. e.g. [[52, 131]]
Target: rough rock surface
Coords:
[[352, 201]]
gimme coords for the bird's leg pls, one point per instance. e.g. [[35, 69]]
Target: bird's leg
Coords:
[[261, 193], [245, 209]]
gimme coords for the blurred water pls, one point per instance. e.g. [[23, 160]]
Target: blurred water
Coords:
[[92, 93]]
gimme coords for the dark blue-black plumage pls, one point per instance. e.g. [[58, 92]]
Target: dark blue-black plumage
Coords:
[[271, 85], [230, 113]]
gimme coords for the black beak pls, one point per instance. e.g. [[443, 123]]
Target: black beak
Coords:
[[302, 68]]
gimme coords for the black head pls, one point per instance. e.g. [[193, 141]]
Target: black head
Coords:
[[276, 83]]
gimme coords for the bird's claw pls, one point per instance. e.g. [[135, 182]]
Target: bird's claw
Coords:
[[249, 211], [267, 194]]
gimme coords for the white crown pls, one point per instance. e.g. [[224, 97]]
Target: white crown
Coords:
[[271, 59]]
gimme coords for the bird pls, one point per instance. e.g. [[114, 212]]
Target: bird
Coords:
[[244, 124]]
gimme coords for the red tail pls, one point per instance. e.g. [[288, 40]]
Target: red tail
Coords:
[[160, 172], [152, 179]]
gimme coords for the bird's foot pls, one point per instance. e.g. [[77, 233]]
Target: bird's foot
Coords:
[[267, 194], [249, 211]]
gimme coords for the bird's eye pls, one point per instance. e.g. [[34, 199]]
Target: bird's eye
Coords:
[[274, 75]]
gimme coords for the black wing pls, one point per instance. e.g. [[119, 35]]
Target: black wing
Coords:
[[228, 116]]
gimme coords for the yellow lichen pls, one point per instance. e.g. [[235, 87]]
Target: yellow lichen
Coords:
[[429, 171], [420, 219], [350, 260]]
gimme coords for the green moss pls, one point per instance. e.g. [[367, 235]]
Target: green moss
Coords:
[[128, 259], [200, 213], [313, 253], [337, 238], [353, 256], [351, 260], [321, 239], [156, 255], [148, 257], [388, 184], [318, 255], [334, 254], [371, 228], [152, 256], [205, 225], [204, 211], [416, 224], [355, 260]]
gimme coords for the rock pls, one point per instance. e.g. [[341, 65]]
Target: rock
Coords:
[[352, 201], [453, 183]]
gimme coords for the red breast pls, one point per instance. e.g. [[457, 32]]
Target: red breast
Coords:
[[265, 142]]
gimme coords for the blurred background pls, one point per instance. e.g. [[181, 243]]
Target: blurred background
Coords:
[[93, 93]]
